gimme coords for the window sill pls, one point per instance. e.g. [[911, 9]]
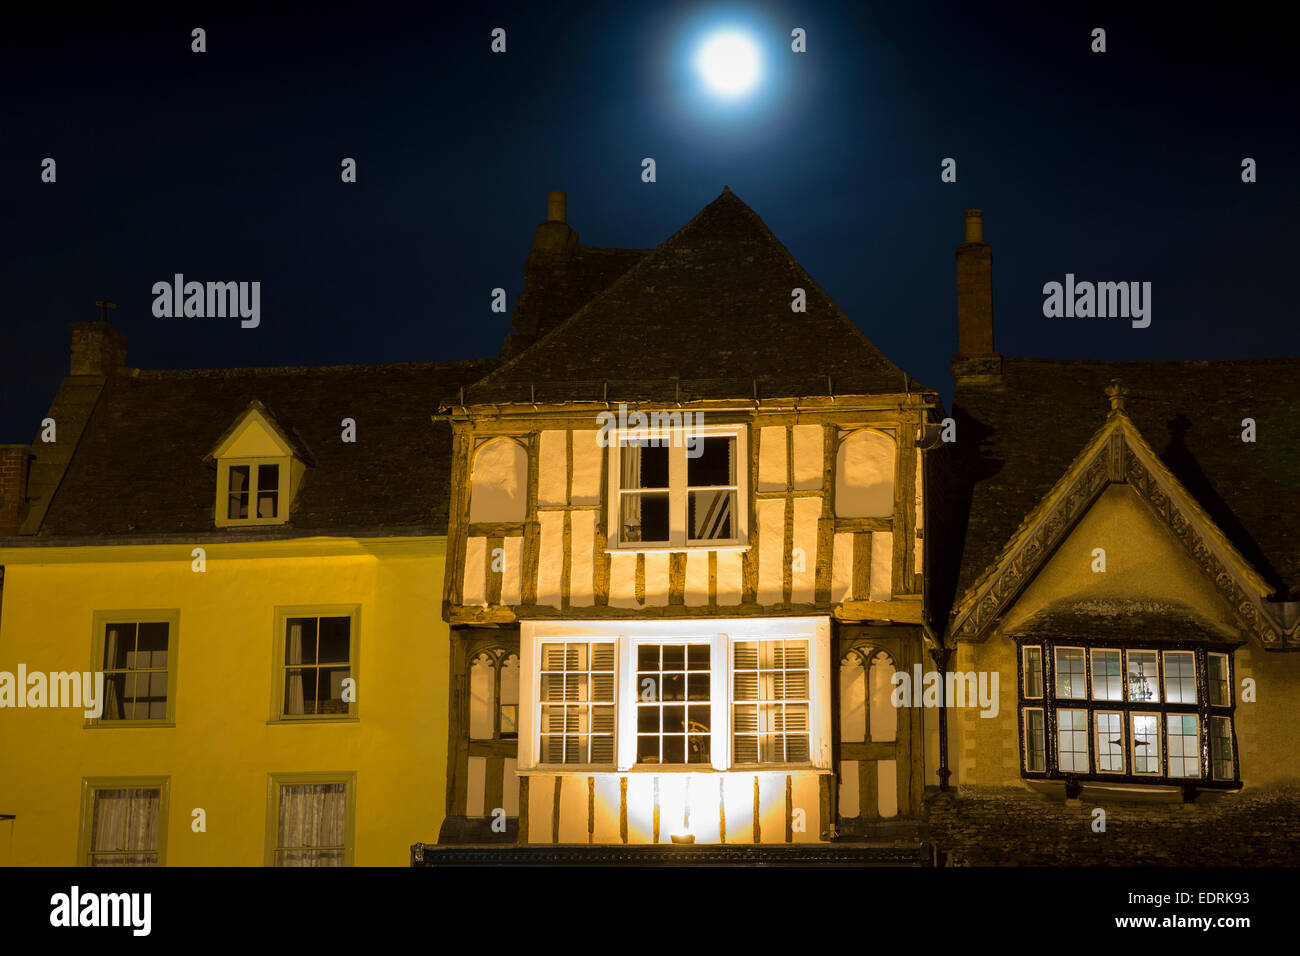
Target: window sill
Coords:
[[675, 549], [312, 719], [100, 724], [767, 769]]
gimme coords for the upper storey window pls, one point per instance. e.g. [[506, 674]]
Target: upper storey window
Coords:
[[259, 469], [678, 487]]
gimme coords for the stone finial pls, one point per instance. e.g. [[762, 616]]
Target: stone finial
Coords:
[[1116, 393]]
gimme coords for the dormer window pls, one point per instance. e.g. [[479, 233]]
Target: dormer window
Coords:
[[253, 491], [259, 469]]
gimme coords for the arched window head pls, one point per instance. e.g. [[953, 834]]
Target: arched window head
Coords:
[[499, 482], [864, 476]]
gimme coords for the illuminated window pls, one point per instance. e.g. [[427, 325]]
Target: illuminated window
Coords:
[[677, 694], [673, 713], [679, 487], [124, 821], [771, 693], [1132, 714], [494, 696], [310, 819]]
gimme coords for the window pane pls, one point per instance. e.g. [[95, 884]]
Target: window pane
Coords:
[[577, 696], [1184, 746], [1070, 680], [312, 825], [1033, 671], [136, 676], [1221, 747], [644, 517], [644, 466], [711, 515], [124, 827], [1107, 680], [1110, 742], [1180, 677], [668, 730], [1146, 743], [268, 494], [1220, 690], [1072, 740], [1143, 684], [770, 713], [237, 506], [714, 464], [1035, 741], [335, 640]]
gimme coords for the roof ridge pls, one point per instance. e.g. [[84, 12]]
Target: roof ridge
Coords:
[[252, 370]]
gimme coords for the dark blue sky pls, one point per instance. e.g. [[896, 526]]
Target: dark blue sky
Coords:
[[225, 166]]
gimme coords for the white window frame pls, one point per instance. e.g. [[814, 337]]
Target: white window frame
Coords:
[[678, 496], [284, 491], [720, 634]]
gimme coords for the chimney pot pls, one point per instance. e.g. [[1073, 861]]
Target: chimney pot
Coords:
[[555, 206], [974, 225]]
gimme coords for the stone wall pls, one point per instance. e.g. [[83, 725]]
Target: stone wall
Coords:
[[987, 826]]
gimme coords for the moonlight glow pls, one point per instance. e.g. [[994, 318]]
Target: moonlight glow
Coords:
[[729, 63]]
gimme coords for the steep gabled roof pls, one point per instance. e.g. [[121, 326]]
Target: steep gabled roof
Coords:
[[1016, 441], [706, 314], [1116, 453], [140, 470]]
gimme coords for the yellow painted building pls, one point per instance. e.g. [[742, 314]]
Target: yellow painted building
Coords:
[[253, 560]]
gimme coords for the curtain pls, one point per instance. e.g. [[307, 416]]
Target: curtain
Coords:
[[630, 505], [313, 822], [112, 702], [125, 821], [293, 702]]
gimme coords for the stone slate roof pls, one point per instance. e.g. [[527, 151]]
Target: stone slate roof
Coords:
[[1015, 442], [139, 469], [706, 314], [555, 287]]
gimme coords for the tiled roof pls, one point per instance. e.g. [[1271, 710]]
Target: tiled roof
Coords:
[[1014, 443], [706, 314], [139, 469]]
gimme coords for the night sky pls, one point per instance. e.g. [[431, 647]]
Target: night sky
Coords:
[[225, 166]]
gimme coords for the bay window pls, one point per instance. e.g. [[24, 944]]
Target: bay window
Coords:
[[1132, 714], [684, 695]]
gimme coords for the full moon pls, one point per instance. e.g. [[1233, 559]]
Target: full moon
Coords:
[[729, 63]]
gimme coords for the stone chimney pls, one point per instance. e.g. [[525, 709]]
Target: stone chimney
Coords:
[[555, 236], [976, 362], [97, 349], [14, 460]]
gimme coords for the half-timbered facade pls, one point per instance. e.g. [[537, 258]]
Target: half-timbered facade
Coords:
[[686, 553]]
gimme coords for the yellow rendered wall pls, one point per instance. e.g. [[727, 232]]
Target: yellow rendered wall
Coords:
[[1144, 564], [223, 746]]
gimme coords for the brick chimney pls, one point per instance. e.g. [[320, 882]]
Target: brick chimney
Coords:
[[97, 348], [14, 460], [976, 362], [555, 236]]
